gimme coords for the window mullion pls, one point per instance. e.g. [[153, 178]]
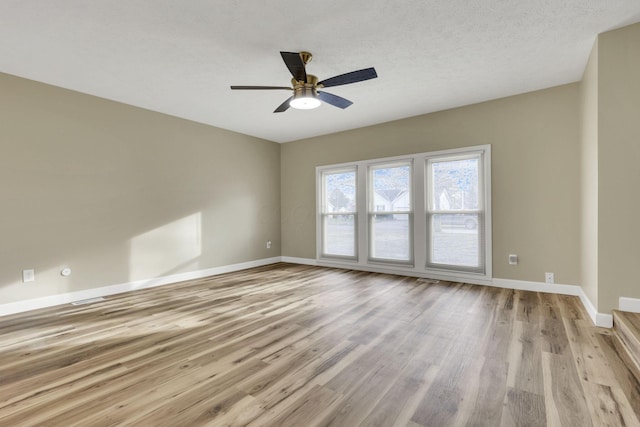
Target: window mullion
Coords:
[[362, 220], [419, 206]]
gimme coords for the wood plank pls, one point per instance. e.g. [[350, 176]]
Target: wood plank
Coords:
[[626, 330], [308, 409], [523, 409], [564, 400], [484, 405], [628, 392]]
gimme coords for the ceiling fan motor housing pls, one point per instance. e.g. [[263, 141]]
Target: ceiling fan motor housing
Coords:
[[306, 91], [311, 81]]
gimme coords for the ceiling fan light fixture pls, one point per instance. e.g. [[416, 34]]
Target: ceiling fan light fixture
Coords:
[[306, 95], [304, 98]]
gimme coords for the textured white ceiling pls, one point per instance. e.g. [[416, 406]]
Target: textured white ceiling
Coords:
[[179, 57]]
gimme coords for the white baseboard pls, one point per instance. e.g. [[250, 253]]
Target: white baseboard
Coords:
[[524, 285], [629, 304], [294, 260], [69, 297], [599, 319]]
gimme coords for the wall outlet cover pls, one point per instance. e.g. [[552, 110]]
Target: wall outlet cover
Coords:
[[28, 275]]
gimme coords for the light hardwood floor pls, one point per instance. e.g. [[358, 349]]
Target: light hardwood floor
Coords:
[[290, 345]]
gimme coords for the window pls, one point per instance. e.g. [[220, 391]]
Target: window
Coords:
[[428, 214], [338, 213], [455, 213], [390, 213]]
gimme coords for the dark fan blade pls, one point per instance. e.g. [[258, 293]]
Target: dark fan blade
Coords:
[[295, 64], [352, 77], [336, 101], [261, 87], [284, 106]]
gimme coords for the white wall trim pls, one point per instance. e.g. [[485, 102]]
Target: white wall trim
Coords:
[[294, 260], [629, 304], [69, 297], [523, 285], [599, 319]]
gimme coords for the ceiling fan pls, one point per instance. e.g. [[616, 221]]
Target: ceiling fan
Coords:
[[305, 86]]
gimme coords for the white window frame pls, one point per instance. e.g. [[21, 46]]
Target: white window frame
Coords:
[[322, 212], [371, 211], [419, 266], [480, 212]]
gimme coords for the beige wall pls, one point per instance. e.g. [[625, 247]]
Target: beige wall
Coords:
[[535, 171], [119, 193], [589, 176], [619, 165]]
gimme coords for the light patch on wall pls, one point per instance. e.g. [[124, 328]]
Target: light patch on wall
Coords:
[[168, 249]]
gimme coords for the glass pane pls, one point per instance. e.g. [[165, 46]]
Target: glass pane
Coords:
[[391, 189], [455, 240], [455, 185], [339, 235], [339, 192], [390, 236]]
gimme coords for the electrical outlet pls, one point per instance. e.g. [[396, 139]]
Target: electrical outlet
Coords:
[[548, 278], [268, 244], [28, 275], [513, 259]]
